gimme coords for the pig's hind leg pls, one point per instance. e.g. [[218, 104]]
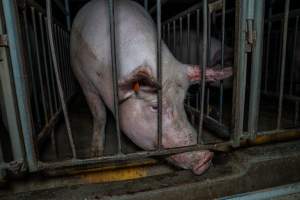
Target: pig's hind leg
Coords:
[[97, 108], [98, 111]]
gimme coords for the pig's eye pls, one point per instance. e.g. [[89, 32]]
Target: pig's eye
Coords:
[[154, 108]]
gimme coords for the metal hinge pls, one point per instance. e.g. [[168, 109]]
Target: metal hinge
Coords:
[[3, 40]]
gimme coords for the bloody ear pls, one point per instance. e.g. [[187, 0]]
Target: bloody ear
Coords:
[[211, 74]]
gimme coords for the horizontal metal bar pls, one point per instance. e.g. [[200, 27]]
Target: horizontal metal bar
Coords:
[[133, 156], [276, 131], [278, 17], [287, 97]]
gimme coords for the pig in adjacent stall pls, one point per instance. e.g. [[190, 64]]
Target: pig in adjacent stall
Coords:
[[137, 80], [187, 51]]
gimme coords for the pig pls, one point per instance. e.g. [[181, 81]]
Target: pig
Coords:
[[190, 54], [136, 53]]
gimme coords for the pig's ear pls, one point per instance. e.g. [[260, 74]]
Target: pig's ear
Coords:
[[194, 74], [140, 79]]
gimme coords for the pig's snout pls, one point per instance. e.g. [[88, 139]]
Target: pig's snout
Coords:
[[197, 161]]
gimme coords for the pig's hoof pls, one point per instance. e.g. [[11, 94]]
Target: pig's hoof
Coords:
[[96, 152]]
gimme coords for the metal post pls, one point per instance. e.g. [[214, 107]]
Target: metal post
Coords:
[[268, 48], [20, 80], [9, 109], [256, 69], [188, 37], [293, 66], [174, 37], [240, 63], [202, 69], [282, 71], [159, 73], [146, 4], [60, 90], [222, 60], [68, 14], [115, 72]]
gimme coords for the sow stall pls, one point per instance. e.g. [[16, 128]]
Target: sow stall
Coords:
[[46, 125]]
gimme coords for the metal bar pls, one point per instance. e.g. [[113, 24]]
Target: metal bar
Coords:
[[279, 57], [184, 13], [39, 66], [59, 57], [45, 63], [222, 60], [9, 109], [270, 193], [198, 38], [60, 90], [68, 14], [169, 35], [285, 31], [20, 81], [159, 75], [32, 75], [115, 72], [63, 60], [174, 37], [51, 68], [268, 51], [203, 69], [292, 14], [188, 37], [133, 156], [287, 97], [154, 8], [241, 69], [256, 69], [293, 66], [180, 35], [146, 4], [296, 113], [68, 69]]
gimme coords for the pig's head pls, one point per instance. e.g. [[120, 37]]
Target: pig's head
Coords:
[[139, 112]]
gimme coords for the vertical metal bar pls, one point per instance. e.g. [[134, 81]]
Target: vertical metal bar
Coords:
[[159, 74], [20, 80], [293, 66], [60, 90], [43, 42], [279, 58], [241, 69], [180, 35], [146, 4], [268, 49], [63, 59], [169, 35], [282, 71], [9, 99], [256, 69], [188, 37], [71, 80], [30, 63], [67, 61], [115, 72], [164, 32], [222, 60], [51, 68], [203, 69], [68, 14], [198, 37], [296, 113], [174, 37], [208, 59], [38, 59]]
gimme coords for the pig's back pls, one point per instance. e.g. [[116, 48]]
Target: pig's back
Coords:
[[135, 35]]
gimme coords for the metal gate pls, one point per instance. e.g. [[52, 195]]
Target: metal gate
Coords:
[[41, 81]]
